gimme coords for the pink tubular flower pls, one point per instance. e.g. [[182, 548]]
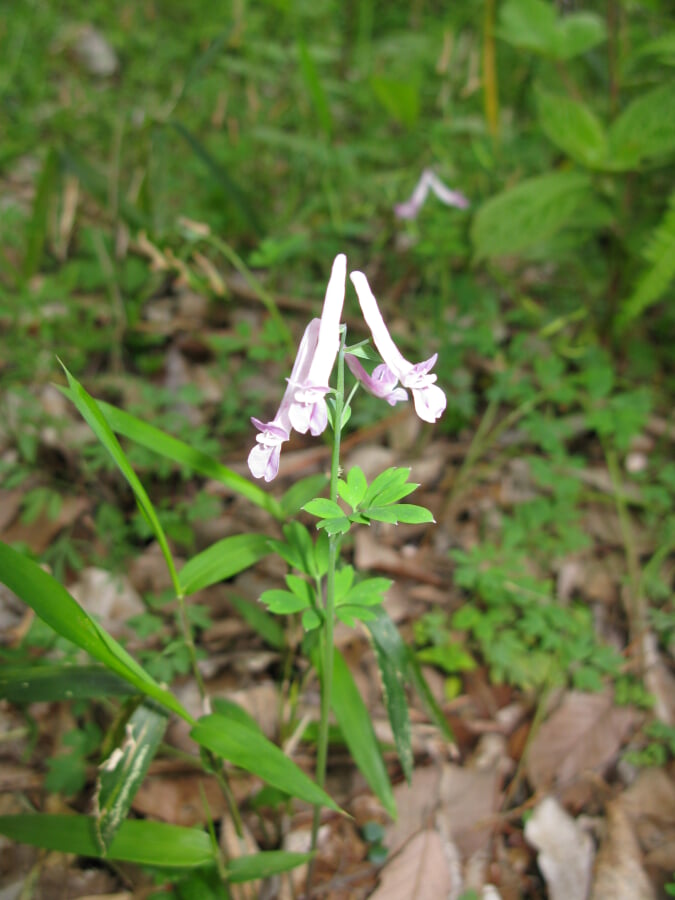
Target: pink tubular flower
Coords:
[[303, 406], [263, 460], [382, 383], [308, 410], [429, 399], [429, 182]]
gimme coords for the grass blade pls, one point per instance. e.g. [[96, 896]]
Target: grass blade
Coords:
[[223, 560], [123, 772], [36, 684], [179, 452], [392, 660], [263, 865], [356, 726], [91, 413], [54, 605], [250, 750], [146, 843]]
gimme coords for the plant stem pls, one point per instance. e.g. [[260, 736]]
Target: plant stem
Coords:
[[327, 648]]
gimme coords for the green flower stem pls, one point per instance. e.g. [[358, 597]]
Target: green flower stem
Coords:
[[326, 639]]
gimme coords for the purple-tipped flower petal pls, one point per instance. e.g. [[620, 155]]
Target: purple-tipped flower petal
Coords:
[[263, 460], [429, 399], [429, 181], [308, 411], [382, 383], [303, 406]]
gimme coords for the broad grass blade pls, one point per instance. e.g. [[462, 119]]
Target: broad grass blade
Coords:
[[123, 772], [392, 660], [223, 560], [52, 602], [40, 684], [419, 682], [146, 843], [263, 865], [91, 413], [357, 729], [179, 452], [250, 750]]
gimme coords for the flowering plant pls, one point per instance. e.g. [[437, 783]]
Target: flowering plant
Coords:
[[321, 589]]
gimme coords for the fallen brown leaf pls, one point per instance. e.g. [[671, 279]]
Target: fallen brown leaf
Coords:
[[583, 735], [618, 868], [419, 872]]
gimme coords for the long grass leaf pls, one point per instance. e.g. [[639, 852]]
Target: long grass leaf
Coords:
[[183, 454], [145, 843], [54, 605]]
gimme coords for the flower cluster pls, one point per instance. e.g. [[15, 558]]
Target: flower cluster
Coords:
[[303, 406]]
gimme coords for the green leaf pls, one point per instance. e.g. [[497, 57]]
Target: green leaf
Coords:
[[387, 485], [419, 682], [530, 24], [121, 775], [451, 658], [344, 578], [522, 217], [350, 614], [251, 751], [54, 605], [392, 660], [142, 842], [533, 25], [400, 512], [323, 508], [262, 623], [355, 723], [184, 455], [645, 130], [222, 560], [572, 127], [335, 526], [368, 592], [654, 281], [353, 490], [577, 33], [264, 865], [300, 493], [90, 412], [300, 588], [283, 602], [381, 514], [38, 683]]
